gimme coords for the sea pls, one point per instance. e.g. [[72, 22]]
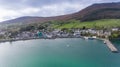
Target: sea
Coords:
[[65, 52]]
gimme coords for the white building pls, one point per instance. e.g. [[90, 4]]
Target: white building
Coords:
[[115, 29]]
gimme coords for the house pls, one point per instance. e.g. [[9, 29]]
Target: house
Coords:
[[100, 33], [77, 33], [115, 29], [92, 31], [40, 34], [48, 35]]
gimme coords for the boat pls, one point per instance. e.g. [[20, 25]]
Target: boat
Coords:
[[104, 42], [86, 38], [68, 45], [94, 37], [90, 38]]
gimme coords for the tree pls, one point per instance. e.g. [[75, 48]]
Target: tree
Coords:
[[28, 28], [84, 28], [40, 27]]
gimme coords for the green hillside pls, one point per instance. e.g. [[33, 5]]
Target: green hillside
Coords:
[[104, 23]]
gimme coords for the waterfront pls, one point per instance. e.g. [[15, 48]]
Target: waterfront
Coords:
[[66, 52]]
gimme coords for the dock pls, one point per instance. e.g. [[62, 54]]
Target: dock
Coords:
[[111, 46]]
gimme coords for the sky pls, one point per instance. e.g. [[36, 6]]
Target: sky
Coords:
[[10, 9]]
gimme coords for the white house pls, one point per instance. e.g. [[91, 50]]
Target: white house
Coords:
[[115, 29]]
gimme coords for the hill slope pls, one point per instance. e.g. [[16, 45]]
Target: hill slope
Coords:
[[98, 24], [100, 11], [93, 12]]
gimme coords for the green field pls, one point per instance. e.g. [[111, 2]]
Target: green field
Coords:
[[104, 23]]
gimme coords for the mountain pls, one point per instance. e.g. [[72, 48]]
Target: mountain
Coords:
[[31, 19], [100, 11], [93, 12]]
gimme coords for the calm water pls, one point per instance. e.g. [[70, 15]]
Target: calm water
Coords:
[[58, 53]]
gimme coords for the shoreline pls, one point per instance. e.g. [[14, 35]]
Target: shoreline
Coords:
[[23, 39], [13, 40], [107, 41], [82, 37]]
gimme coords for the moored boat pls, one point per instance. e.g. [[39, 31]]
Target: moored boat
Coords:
[[104, 42]]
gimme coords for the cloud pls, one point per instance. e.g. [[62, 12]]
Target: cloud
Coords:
[[10, 9], [44, 11]]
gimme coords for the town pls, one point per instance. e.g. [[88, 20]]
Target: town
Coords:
[[59, 33]]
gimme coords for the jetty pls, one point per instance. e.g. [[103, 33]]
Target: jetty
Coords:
[[111, 46]]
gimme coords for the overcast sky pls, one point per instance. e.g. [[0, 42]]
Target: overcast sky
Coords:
[[10, 9]]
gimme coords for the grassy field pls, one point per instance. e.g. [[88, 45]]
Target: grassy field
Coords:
[[104, 23]]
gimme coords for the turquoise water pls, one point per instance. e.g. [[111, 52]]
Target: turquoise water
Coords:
[[57, 53]]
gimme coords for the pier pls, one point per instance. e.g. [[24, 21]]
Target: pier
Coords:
[[111, 46]]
